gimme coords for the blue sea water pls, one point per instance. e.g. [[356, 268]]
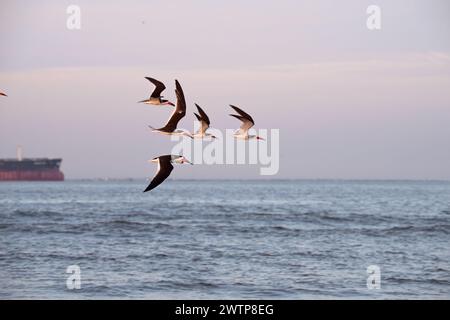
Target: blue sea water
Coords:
[[225, 239]]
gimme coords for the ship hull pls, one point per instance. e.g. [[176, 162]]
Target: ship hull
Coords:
[[41, 169], [32, 175]]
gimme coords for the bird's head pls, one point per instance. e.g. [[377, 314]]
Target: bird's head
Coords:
[[259, 138], [181, 160]]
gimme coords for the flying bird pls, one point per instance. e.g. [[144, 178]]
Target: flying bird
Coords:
[[156, 98], [247, 123], [165, 167], [180, 111], [204, 124], [3, 94]]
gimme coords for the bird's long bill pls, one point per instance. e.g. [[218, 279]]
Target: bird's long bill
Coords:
[[183, 159], [142, 101], [188, 134]]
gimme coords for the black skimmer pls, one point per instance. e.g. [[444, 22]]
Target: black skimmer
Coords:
[[204, 122], [3, 94], [180, 111], [165, 167], [156, 98], [247, 123]]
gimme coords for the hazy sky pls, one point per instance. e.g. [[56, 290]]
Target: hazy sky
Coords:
[[349, 102]]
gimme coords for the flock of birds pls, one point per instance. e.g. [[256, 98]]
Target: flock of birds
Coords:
[[165, 162], [165, 166]]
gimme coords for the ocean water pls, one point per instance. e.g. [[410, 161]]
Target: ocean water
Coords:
[[225, 239]]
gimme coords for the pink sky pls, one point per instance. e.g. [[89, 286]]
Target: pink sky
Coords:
[[349, 102]]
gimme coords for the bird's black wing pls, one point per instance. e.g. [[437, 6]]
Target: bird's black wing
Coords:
[[165, 168], [243, 113], [159, 87], [203, 114], [181, 102], [246, 123], [239, 117], [179, 112]]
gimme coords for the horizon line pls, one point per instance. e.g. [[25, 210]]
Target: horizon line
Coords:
[[105, 179]]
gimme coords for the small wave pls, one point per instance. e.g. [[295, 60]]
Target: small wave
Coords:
[[283, 228], [126, 223], [263, 214], [147, 256], [36, 213], [433, 281], [312, 254], [137, 225], [329, 216], [39, 228], [268, 254], [201, 284], [6, 225], [122, 222], [411, 229], [332, 218], [91, 256]]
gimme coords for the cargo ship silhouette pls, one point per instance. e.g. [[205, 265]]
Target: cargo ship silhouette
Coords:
[[31, 169]]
